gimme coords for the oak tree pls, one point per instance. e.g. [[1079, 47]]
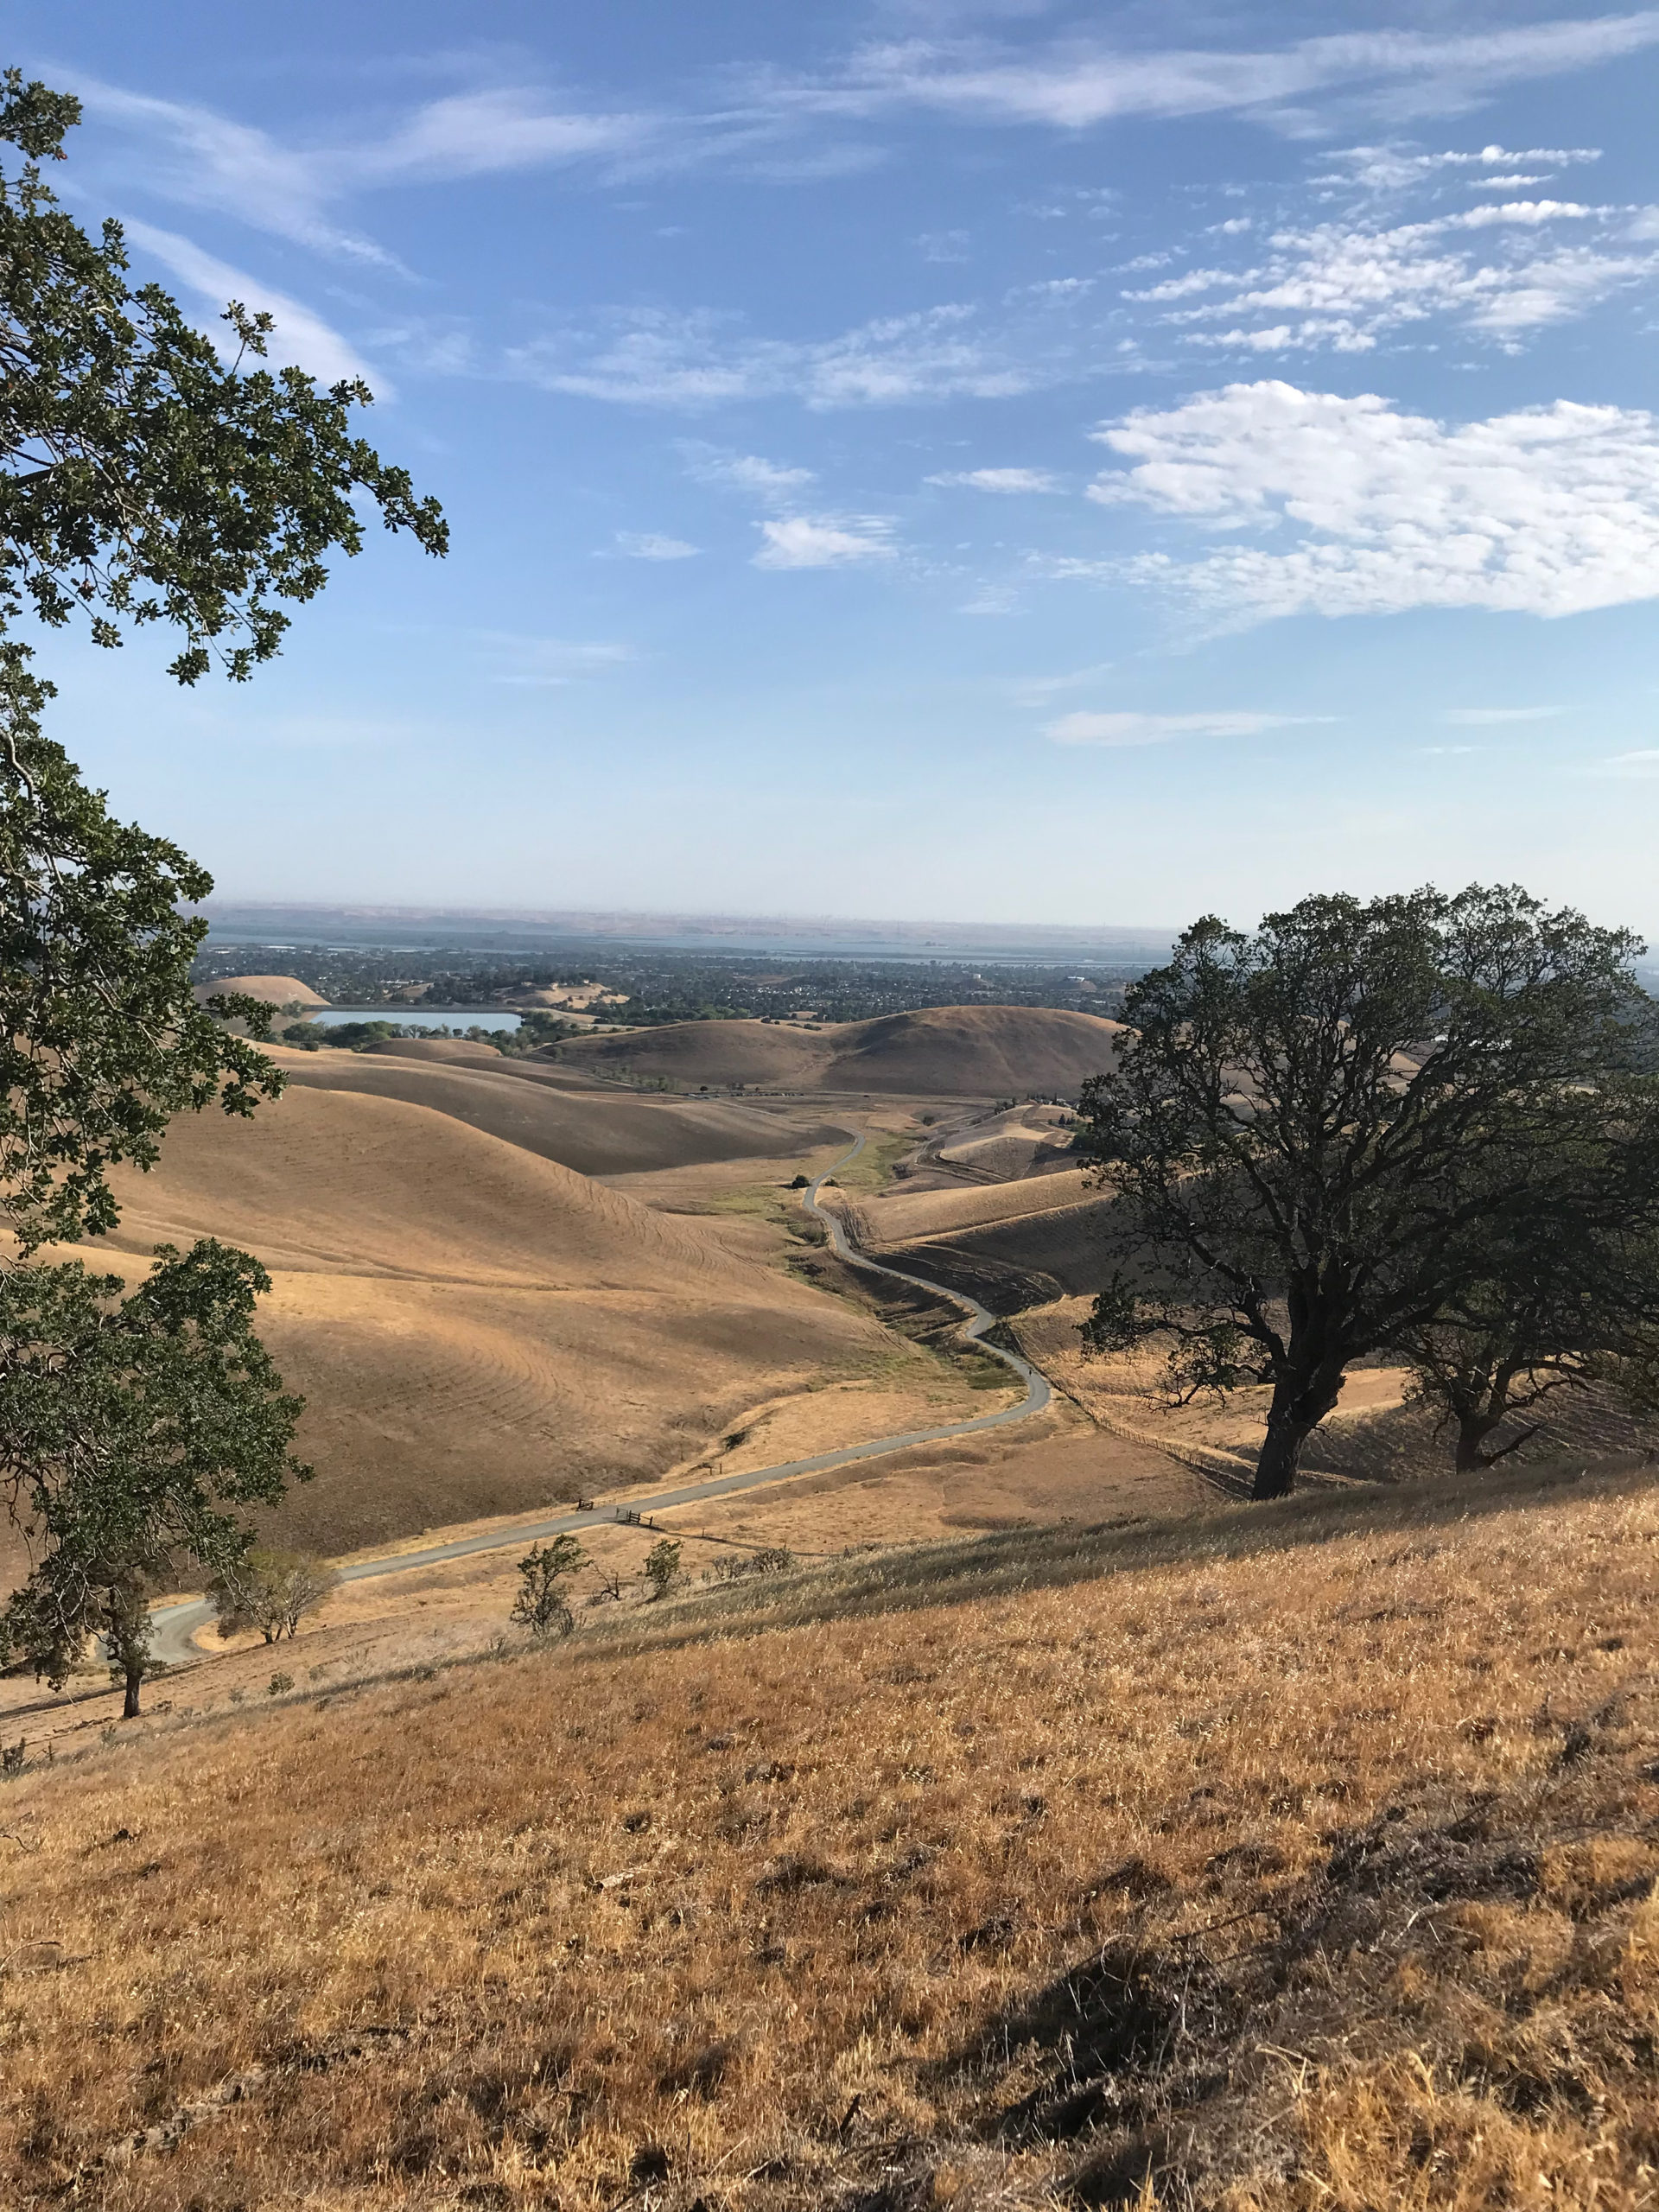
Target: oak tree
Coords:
[[1311, 1124]]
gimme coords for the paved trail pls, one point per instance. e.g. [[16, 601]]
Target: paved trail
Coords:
[[175, 1625]]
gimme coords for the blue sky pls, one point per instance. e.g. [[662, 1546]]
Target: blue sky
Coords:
[[1014, 462]]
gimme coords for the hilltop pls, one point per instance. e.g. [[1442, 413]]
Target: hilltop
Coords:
[[1301, 1860], [276, 990], [971, 1052]]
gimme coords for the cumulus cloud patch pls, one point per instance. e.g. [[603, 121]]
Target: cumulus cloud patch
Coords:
[[1497, 269], [1547, 510]]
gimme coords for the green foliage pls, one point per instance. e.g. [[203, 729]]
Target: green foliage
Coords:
[[146, 480], [279, 1685], [662, 1568], [541, 1604], [131, 1427], [1313, 1132], [101, 1042]]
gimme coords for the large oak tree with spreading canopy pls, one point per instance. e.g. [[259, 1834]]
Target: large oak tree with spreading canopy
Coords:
[[1319, 1132]]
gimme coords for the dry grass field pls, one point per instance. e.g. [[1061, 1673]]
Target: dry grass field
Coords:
[[941, 1051], [1294, 1859], [275, 990], [478, 1329], [596, 1131]]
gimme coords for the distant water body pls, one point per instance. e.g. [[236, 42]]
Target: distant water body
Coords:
[[340, 929], [459, 1019]]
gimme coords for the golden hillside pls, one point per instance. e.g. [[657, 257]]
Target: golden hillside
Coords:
[[970, 1052], [276, 990], [478, 1329], [595, 1128], [1301, 1860]]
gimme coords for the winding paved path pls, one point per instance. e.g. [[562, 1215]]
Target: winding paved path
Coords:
[[177, 1625]]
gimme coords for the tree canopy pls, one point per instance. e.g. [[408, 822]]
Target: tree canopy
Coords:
[[132, 1426], [142, 480], [1311, 1127], [146, 480]]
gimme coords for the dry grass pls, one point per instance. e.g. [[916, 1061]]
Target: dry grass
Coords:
[[1297, 1859]]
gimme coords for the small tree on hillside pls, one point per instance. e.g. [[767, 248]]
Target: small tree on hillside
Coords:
[[271, 1591], [541, 1604], [662, 1568], [131, 1429], [1302, 1125]]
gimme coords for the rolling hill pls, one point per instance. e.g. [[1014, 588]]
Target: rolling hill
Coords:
[[593, 1128], [478, 1329], [968, 1051], [276, 990]]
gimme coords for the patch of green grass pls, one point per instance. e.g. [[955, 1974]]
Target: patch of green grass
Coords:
[[873, 1169]]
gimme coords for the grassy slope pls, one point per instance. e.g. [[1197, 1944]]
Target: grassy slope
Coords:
[[604, 1133], [1299, 1858]]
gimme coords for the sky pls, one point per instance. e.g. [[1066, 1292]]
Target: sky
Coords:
[[1013, 461]]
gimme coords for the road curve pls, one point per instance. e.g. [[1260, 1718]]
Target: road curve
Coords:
[[177, 1625]]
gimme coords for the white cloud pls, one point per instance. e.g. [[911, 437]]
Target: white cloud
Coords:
[[1000, 480], [1393, 168], [1491, 717], [1639, 767], [651, 545], [1546, 511], [655, 358], [540, 663], [1344, 286], [768, 480], [201, 159], [824, 541], [1076, 83], [1158, 729], [301, 338], [482, 133]]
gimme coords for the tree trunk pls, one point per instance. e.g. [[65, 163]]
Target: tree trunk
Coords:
[[1473, 1429], [135, 1684], [1281, 1452], [1300, 1404]]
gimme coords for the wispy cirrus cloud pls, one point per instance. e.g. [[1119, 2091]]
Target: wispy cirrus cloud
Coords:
[[301, 337], [1007, 481], [652, 545], [1115, 729], [1495, 717], [825, 541], [546, 662], [750, 473], [1074, 83], [1546, 511], [660, 358]]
